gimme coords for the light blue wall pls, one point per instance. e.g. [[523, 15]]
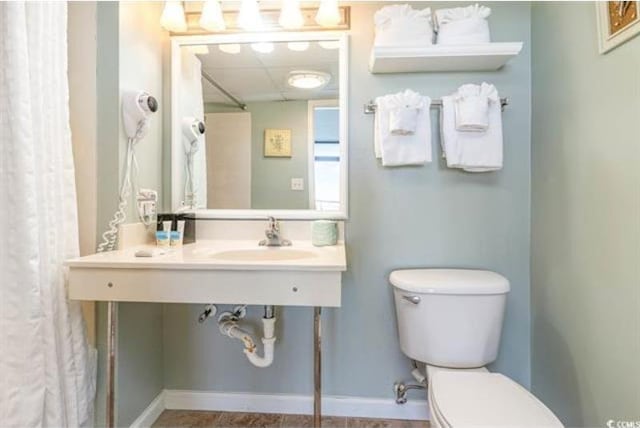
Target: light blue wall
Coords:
[[129, 53], [586, 219], [271, 177], [399, 218]]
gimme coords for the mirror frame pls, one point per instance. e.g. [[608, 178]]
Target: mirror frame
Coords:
[[177, 42]]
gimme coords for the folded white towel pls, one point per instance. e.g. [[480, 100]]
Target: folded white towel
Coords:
[[463, 25], [403, 120], [398, 150], [471, 151], [402, 25], [472, 106], [404, 108]]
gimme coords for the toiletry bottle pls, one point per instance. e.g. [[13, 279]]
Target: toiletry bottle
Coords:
[[177, 235], [162, 235]]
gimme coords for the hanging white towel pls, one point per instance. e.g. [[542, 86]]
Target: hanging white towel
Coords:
[[471, 151], [399, 150], [463, 25], [472, 104], [401, 25]]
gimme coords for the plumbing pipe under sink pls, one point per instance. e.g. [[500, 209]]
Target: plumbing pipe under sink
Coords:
[[229, 327]]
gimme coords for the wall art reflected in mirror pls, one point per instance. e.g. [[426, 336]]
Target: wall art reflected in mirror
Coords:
[[259, 125]]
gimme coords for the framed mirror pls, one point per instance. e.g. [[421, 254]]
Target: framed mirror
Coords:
[[259, 125]]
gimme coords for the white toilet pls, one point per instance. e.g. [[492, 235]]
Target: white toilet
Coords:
[[451, 320]]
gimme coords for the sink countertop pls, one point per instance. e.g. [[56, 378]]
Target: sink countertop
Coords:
[[199, 256]]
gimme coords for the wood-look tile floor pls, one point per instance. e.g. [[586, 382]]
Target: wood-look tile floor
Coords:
[[193, 419]]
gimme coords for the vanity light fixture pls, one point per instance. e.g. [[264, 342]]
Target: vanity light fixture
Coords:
[[298, 46], [262, 47], [290, 15], [308, 79], [172, 18], [211, 18], [249, 18], [329, 44], [230, 48], [328, 13]]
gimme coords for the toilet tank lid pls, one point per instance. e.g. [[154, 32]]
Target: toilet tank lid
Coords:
[[449, 281]]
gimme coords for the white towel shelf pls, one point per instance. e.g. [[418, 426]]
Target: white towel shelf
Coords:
[[411, 59]]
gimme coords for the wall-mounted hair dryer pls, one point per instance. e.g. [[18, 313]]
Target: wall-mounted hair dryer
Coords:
[[137, 106], [192, 130]]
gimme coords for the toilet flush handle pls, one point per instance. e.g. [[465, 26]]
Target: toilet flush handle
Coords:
[[413, 299]]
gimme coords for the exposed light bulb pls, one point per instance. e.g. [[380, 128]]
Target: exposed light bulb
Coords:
[[298, 46], [329, 44], [290, 15], [249, 18], [328, 13], [231, 48], [172, 18], [212, 18], [262, 47]]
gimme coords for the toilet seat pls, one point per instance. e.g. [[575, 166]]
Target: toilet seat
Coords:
[[465, 399]]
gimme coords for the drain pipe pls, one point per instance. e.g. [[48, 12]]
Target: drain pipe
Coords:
[[268, 340], [229, 327]]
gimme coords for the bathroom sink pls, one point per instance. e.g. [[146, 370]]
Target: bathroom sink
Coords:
[[221, 271], [263, 254]]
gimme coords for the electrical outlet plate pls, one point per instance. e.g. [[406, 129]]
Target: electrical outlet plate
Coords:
[[297, 184]]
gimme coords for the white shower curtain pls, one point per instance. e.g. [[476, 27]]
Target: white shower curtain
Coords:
[[47, 370]]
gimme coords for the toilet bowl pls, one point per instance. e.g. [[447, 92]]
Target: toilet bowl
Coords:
[[451, 320], [466, 398]]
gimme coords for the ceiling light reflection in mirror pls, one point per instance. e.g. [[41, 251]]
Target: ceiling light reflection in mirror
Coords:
[[230, 48], [298, 46]]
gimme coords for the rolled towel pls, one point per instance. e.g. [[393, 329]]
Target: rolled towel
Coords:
[[472, 104], [401, 25], [463, 25]]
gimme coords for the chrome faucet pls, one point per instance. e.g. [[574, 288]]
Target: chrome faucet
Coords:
[[273, 235]]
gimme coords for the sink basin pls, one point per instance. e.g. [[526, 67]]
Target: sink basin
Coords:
[[263, 254]]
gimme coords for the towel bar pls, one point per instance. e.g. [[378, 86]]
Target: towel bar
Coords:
[[370, 108]]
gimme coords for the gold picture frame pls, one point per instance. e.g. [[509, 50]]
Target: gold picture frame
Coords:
[[618, 21], [277, 143]]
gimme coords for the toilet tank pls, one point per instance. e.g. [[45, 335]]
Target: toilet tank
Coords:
[[450, 317]]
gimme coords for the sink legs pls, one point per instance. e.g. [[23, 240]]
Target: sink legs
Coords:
[[317, 367], [112, 326]]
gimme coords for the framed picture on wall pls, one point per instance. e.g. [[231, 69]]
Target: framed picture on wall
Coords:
[[618, 21], [277, 143]]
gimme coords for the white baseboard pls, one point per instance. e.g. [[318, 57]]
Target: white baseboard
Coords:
[[151, 413], [279, 403], [295, 404]]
